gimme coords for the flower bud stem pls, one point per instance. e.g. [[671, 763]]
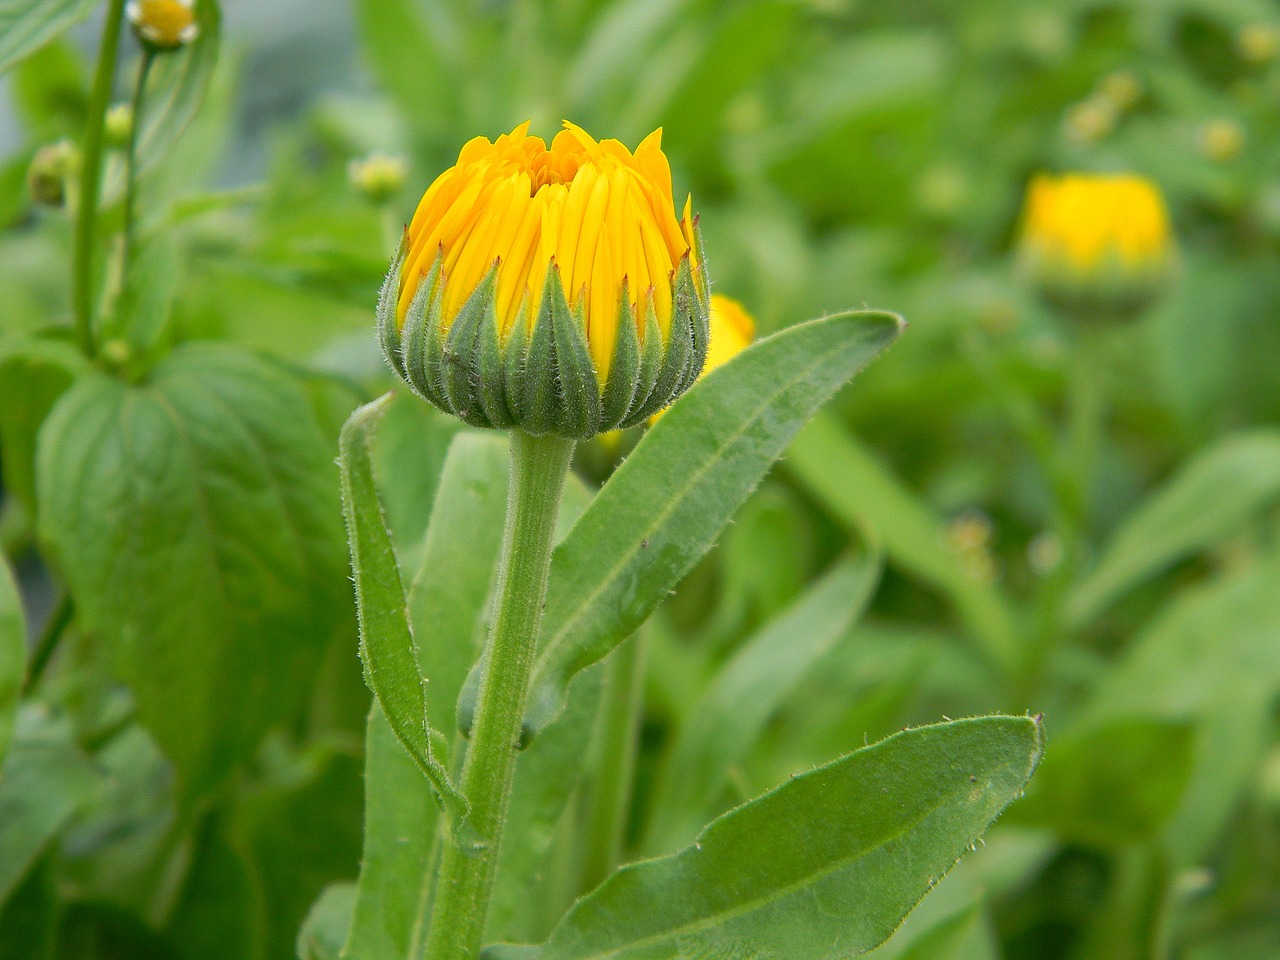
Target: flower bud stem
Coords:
[[131, 157], [90, 179], [464, 884]]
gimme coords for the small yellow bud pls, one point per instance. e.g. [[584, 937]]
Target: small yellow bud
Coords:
[[378, 177], [1258, 43], [52, 166], [1090, 120], [1096, 245], [119, 125], [1221, 140], [163, 24], [1122, 88]]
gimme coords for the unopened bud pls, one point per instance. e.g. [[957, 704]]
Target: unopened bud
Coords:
[[1221, 140], [1090, 120], [1122, 88], [52, 166], [378, 177], [1258, 43], [119, 125]]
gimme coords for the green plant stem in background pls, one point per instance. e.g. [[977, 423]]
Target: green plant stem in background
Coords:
[[609, 798], [465, 881], [131, 157], [47, 645], [90, 179]]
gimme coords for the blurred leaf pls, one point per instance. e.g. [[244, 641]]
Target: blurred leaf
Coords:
[[195, 518], [1208, 500], [620, 40], [323, 932], [221, 911], [387, 647], [849, 481], [26, 25], [411, 56], [33, 375], [13, 653], [966, 936], [44, 781], [667, 503], [824, 866], [1113, 785], [748, 689], [51, 92]]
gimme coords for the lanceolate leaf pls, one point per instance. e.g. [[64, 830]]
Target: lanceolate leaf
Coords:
[[195, 518], [723, 726], [13, 652], [822, 868], [665, 506], [386, 644], [27, 25]]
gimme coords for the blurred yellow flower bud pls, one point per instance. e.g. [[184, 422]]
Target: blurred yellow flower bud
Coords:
[[1221, 140], [118, 125], [378, 177], [550, 288], [1090, 120], [732, 331], [163, 24], [1258, 43], [1096, 246], [52, 166], [1122, 88]]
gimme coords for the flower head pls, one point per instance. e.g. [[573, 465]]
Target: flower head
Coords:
[[163, 24], [549, 287], [1096, 245]]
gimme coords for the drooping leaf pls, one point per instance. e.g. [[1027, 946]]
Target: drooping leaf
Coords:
[[13, 653], [44, 781], [665, 506], [1208, 500], [824, 866], [26, 25], [386, 644], [748, 689], [195, 518], [862, 493]]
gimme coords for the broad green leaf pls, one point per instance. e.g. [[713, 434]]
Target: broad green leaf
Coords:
[[666, 505], [450, 591], [1208, 500], [13, 652], [32, 377], [1112, 785], [323, 932], [44, 781], [824, 866], [748, 689], [26, 25], [848, 480], [386, 644], [195, 518]]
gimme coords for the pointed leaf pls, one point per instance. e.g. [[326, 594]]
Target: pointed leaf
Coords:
[[27, 25], [13, 652]]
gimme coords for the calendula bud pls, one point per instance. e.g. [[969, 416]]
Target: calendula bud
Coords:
[[1096, 246], [1122, 88], [377, 177], [118, 125], [1221, 140], [52, 166], [163, 24], [732, 330], [1090, 120], [551, 289], [1258, 43]]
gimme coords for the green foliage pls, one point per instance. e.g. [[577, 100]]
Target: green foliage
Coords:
[[13, 654], [26, 25]]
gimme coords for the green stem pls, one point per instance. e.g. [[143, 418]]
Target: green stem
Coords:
[[609, 799], [47, 645], [464, 884], [90, 179], [131, 157]]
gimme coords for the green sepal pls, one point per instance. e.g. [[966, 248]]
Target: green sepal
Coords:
[[675, 360], [643, 404], [460, 371], [515, 355], [420, 346], [579, 395], [624, 370], [540, 396], [690, 308], [491, 384], [388, 299]]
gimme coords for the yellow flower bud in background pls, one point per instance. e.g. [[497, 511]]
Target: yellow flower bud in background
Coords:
[[51, 168], [118, 125], [1258, 43], [163, 24], [550, 288], [732, 331], [1096, 246], [1221, 140], [1122, 88], [1090, 120], [378, 177]]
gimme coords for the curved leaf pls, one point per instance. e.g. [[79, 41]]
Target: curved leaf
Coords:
[[27, 25], [13, 652]]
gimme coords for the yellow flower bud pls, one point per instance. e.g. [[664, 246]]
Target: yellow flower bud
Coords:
[[732, 331], [1096, 245], [550, 288], [1122, 88], [163, 24], [1221, 140], [378, 177], [1090, 120], [52, 166], [1258, 43]]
